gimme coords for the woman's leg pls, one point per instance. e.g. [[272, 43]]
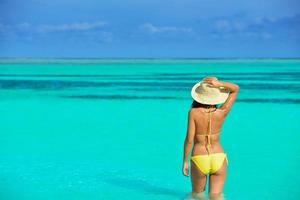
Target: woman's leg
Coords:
[[216, 182], [198, 179]]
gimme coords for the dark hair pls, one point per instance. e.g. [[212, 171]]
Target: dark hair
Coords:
[[196, 104]]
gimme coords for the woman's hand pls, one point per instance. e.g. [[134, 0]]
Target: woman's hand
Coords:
[[213, 82], [185, 168]]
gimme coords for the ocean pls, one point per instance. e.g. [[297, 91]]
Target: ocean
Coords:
[[86, 129]]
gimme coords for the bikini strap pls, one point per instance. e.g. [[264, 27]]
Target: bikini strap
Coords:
[[209, 133], [208, 138]]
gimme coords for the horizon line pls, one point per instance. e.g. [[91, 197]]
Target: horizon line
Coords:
[[150, 58]]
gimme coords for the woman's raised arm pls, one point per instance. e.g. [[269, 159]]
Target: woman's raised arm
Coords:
[[234, 89]]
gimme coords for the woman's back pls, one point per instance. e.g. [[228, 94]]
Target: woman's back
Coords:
[[203, 136], [201, 118]]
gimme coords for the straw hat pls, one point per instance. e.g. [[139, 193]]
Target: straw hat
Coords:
[[202, 93]]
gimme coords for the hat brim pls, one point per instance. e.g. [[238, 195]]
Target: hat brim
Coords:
[[207, 99]]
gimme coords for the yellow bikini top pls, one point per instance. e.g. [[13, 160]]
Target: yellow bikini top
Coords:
[[208, 146]]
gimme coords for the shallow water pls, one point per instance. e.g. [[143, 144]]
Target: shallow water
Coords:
[[110, 129]]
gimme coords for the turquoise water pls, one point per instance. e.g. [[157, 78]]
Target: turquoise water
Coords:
[[114, 129]]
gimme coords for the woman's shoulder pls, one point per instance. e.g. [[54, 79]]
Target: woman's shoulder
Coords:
[[195, 111], [192, 110]]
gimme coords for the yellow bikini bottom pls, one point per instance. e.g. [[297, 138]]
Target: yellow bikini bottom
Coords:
[[211, 163]]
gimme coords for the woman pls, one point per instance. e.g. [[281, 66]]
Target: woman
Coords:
[[205, 121]]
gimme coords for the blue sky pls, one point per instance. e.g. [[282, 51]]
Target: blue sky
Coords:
[[150, 28]]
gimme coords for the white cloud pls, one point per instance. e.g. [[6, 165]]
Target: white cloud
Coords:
[[84, 31], [263, 20], [258, 27], [79, 26], [164, 29], [82, 26], [264, 35], [16, 27], [225, 25]]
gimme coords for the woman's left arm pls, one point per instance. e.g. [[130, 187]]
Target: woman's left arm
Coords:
[[188, 142]]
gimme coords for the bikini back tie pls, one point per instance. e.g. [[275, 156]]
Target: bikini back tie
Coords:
[[208, 146]]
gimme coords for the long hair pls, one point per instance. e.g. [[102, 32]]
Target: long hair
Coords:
[[196, 104]]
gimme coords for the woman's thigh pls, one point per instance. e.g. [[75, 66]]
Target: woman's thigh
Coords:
[[217, 180], [198, 179]]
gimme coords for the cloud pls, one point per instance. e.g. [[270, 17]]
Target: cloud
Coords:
[[225, 25], [150, 28], [242, 27], [263, 20], [83, 26], [92, 36], [44, 28], [80, 31], [258, 27]]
